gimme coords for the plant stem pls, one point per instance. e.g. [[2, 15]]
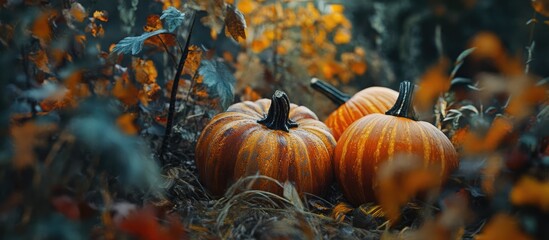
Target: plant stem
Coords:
[[403, 106], [175, 86], [337, 97], [278, 116]]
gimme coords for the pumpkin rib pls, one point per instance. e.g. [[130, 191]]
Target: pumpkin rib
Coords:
[[235, 144], [378, 139]]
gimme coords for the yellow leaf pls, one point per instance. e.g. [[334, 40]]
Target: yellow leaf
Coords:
[[101, 15], [145, 72], [246, 6], [260, 44], [342, 36]]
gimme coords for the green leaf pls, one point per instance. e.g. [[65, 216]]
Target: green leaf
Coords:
[[134, 45], [172, 18], [218, 80]]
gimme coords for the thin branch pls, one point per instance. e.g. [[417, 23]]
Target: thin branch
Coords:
[[173, 95]]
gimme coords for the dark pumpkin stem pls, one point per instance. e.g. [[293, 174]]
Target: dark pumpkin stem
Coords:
[[338, 97], [278, 116], [403, 106]]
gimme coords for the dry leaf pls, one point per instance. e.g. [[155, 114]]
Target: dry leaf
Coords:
[[235, 23], [145, 71], [339, 211], [101, 15]]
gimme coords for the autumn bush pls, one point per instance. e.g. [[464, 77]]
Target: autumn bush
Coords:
[[103, 102]]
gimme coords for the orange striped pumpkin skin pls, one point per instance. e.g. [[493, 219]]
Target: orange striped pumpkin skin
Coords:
[[377, 138], [234, 145], [368, 101]]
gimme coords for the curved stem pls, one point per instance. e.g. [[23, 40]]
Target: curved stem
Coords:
[[403, 106], [173, 95], [278, 116], [337, 97]]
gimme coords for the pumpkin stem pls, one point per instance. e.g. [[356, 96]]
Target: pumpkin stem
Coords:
[[403, 105], [278, 116], [337, 97]]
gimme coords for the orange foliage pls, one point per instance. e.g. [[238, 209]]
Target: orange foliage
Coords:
[[26, 138], [126, 122], [530, 191], [401, 179], [41, 28], [78, 12], [500, 128], [101, 15], [125, 91], [432, 84], [489, 47], [502, 227]]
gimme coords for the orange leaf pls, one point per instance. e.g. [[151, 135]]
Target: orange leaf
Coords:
[[41, 28], [541, 6], [78, 12], [126, 122], [401, 179], [26, 138], [125, 91], [153, 23], [101, 15], [530, 191], [342, 36], [432, 83], [502, 226], [145, 72]]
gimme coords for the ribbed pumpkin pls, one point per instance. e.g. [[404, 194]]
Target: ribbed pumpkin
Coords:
[[367, 101], [270, 137], [377, 138]]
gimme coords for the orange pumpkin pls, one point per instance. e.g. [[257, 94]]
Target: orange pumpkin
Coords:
[[368, 101], [270, 137], [377, 138]]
